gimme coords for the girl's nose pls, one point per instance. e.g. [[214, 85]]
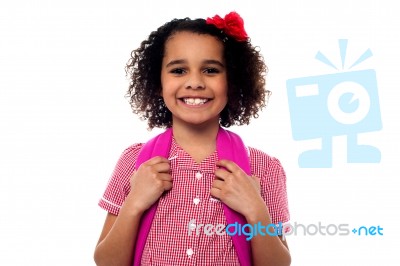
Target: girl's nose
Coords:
[[195, 81]]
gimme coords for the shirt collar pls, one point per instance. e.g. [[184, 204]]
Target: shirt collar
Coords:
[[182, 160]]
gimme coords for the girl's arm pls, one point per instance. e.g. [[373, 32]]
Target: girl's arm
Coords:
[[266, 250], [242, 193], [118, 238]]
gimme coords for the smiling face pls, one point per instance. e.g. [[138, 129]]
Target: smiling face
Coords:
[[193, 78]]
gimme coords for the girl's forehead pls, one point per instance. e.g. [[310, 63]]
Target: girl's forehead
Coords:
[[185, 35], [193, 44]]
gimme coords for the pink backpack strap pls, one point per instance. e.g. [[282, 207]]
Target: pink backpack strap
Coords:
[[157, 146], [229, 146]]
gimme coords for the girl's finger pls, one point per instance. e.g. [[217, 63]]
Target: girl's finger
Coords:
[[162, 167], [221, 174], [218, 184], [215, 192], [167, 185], [165, 177], [255, 178], [228, 165]]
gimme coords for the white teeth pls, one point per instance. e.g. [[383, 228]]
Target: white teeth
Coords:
[[195, 101]]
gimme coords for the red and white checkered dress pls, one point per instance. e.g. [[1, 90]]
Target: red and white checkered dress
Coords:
[[169, 241]]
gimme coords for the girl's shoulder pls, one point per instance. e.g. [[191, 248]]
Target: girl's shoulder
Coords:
[[130, 154], [133, 149], [262, 163]]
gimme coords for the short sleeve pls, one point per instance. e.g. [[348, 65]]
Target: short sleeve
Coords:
[[118, 185], [273, 184]]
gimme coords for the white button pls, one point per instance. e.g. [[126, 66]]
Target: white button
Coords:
[[189, 252], [196, 201], [199, 175]]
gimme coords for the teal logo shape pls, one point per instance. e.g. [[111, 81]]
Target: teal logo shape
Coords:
[[343, 103]]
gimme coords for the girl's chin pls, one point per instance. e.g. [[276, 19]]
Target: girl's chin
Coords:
[[199, 122]]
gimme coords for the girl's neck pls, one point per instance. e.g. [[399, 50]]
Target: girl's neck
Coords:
[[198, 141]]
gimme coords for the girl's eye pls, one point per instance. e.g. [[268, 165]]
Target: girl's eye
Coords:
[[178, 71], [211, 70]]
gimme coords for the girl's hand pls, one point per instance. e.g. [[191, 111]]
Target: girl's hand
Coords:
[[236, 189], [149, 182]]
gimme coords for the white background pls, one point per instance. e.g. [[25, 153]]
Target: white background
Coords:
[[64, 120]]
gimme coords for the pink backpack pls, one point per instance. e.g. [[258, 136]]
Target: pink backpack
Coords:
[[230, 147]]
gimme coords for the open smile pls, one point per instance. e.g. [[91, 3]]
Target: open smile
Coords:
[[195, 101]]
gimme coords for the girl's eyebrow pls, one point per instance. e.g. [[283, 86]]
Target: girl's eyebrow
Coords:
[[214, 62], [182, 61], [175, 62]]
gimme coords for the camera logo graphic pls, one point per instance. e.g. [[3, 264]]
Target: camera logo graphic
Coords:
[[344, 103]]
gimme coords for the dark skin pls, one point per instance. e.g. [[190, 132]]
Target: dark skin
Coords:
[[232, 186], [117, 239], [242, 193], [193, 74]]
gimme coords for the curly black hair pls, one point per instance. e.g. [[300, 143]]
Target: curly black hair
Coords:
[[246, 72]]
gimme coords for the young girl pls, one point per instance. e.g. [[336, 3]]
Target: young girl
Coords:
[[194, 77]]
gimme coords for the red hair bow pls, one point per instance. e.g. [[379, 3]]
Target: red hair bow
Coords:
[[232, 25]]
